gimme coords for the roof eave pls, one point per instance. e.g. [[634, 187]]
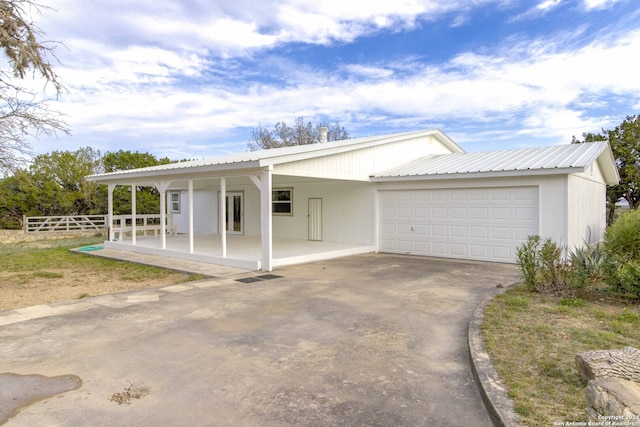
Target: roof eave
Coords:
[[186, 172], [607, 164], [472, 175]]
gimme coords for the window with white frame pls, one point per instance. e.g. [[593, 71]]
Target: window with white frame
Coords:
[[282, 201], [174, 202]]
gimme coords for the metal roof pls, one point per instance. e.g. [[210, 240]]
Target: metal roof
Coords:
[[262, 158], [556, 159]]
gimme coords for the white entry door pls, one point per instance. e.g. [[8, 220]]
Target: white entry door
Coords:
[[234, 213], [315, 219]]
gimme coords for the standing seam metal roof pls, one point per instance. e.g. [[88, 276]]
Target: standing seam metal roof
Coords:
[[278, 155], [541, 158]]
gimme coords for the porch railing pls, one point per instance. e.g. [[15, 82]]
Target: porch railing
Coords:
[[122, 226], [33, 224]]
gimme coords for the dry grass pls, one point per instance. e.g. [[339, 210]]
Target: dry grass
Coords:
[[533, 340], [42, 272]]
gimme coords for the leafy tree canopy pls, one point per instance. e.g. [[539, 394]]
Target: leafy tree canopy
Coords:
[[147, 198], [300, 133], [54, 184]]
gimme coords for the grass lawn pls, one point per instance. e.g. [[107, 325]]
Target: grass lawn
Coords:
[[533, 339], [45, 271]]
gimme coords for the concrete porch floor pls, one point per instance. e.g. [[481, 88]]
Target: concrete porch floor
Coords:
[[242, 251]]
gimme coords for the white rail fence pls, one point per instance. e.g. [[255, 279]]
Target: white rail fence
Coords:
[[34, 224]]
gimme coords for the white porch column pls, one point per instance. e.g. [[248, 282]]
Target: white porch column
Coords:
[[133, 214], [162, 189], [266, 219], [110, 188], [190, 216], [223, 215]]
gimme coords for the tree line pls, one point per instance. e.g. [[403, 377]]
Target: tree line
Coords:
[[55, 184]]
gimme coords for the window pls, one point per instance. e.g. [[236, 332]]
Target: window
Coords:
[[174, 202], [282, 201]]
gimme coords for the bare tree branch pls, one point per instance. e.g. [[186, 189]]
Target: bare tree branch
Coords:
[[24, 114]]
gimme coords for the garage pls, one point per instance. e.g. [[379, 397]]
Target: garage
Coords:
[[485, 224], [483, 206]]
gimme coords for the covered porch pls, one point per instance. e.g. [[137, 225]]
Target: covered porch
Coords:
[[241, 251]]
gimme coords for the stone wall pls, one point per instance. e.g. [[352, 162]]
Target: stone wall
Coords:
[[612, 379], [16, 236]]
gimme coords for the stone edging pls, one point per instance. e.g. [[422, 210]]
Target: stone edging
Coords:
[[493, 392]]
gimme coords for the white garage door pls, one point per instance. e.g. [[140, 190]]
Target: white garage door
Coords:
[[469, 223]]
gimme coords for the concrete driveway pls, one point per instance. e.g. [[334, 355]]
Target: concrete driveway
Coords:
[[370, 340]]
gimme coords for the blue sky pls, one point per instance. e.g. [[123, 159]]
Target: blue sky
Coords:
[[191, 78]]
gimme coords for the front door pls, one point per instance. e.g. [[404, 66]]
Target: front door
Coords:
[[235, 213], [315, 219]]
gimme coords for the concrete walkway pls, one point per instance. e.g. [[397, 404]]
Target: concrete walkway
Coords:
[[184, 266], [374, 340]]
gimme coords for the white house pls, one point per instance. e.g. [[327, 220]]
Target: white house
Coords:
[[411, 193]]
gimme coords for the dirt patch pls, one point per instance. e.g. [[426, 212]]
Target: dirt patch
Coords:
[[129, 393], [63, 285], [43, 272]]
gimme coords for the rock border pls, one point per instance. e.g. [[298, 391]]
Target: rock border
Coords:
[[494, 394]]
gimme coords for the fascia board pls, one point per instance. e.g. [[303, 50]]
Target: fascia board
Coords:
[[472, 175], [607, 164], [448, 142], [209, 171]]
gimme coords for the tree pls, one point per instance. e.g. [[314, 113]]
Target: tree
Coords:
[[147, 198], [625, 145], [300, 134], [23, 114], [53, 184]]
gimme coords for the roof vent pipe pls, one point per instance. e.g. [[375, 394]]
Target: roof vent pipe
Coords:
[[324, 131]]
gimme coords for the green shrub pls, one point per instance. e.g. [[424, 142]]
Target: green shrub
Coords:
[[545, 270], [553, 267], [622, 250], [529, 261], [587, 270]]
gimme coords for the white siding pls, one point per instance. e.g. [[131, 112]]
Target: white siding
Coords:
[[587, 213], [360, 164], [204, 206], [347, 211]]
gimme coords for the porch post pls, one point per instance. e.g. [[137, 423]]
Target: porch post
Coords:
[[223, 215], [266, 220], [110, 188], [191, 216], [133, 214], [162, 188]]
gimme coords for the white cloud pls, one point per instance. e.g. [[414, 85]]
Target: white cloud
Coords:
[[599, 4], [179, 73]]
